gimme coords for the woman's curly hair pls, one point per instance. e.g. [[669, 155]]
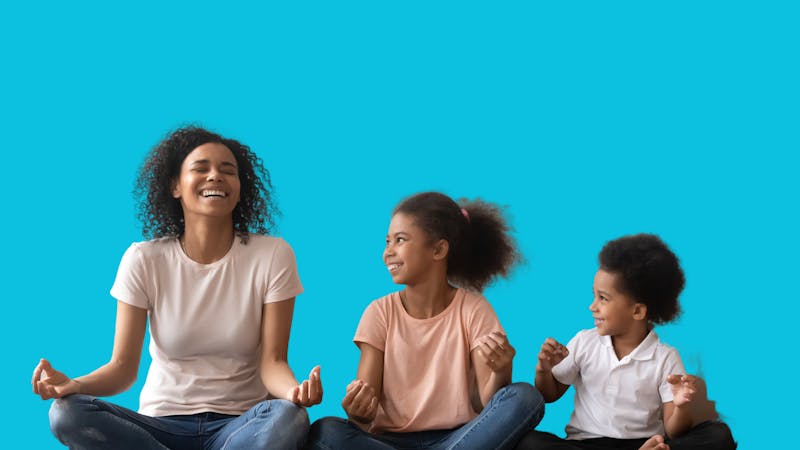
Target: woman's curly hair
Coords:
[[162, 215]]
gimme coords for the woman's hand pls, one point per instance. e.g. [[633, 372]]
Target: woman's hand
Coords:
[[497, 351], [309, 392], [360, 401], [50, 383]]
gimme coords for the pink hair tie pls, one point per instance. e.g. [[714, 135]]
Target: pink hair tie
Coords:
[[465, 213]]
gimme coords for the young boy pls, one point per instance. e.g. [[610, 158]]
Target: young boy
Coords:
[[631, 390]]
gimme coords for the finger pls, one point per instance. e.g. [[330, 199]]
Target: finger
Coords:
[[363, 398], [673, 379], [44, 390], [353, 390], [487, 358], [500, 338], [305, 391], [490, 351], [373, 406], [37, 375], [314, 387], [47, 368]]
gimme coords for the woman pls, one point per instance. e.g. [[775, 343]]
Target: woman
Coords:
[[220, 296]]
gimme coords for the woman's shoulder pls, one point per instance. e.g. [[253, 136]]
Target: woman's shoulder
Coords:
[[262, 242], [153, 246]]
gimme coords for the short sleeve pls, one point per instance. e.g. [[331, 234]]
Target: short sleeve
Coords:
[[673, 364], [283, 282], [568, 370], [372, 327], [130, 285], [481, 320]]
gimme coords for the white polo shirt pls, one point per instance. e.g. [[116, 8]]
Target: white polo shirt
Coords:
[[617, 398]]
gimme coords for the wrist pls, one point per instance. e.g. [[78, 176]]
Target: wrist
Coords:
[[78, 386]]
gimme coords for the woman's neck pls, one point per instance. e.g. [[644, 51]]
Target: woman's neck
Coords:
[[207, 241], [426, 300]]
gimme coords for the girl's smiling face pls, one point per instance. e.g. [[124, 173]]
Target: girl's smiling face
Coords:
[[409, 252], [208, 183]]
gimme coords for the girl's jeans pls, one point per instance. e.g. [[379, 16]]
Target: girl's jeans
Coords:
[[513, 411]]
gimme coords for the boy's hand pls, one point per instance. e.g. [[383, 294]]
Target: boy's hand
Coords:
[[360, 401], [497, 351], [551, 353], [684, 388]]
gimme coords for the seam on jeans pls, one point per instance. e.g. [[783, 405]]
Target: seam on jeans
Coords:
[[105, 406], [234, 433]]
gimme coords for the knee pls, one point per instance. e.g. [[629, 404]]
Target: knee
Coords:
[[524, 398], [288, 415], [718, 434], [326, 433], [326, 424], [67, 415], [276, 424]]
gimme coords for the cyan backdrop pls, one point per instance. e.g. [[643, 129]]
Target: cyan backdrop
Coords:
[[589, 120]]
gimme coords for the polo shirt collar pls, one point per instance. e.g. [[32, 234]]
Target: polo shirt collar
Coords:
[[643, 352]]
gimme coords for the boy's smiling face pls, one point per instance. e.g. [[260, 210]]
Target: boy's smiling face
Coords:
[[615, 313]]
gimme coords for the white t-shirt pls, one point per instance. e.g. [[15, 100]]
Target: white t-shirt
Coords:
[[205, 321], [617, 398]]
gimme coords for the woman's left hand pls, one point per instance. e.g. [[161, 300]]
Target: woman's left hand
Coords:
[[309, 392], [497, 351]]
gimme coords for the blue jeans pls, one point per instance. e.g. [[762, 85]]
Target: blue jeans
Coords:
[[512, 412], [85, 422]]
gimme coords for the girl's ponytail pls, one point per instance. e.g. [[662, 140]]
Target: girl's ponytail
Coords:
[[481, 245]]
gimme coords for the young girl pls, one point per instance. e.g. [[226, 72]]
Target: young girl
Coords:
[[435, 368], [220, 303]]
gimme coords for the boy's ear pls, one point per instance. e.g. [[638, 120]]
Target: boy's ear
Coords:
[[639, 311], [440, 249]]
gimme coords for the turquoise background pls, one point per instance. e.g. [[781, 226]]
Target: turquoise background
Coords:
[[589, 120]]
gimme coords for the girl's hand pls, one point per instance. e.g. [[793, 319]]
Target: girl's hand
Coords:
[[551, 353], [683, 387], [360, 401], [497, 351], [49, 383], [309, 392]]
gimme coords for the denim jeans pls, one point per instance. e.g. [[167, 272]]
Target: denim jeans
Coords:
[[512, 412], [711, 435], [85, 422]]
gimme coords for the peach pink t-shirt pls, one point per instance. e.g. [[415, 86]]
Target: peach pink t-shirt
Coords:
[[427, 370]]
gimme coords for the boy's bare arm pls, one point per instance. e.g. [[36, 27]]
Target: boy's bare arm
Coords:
[[689, 407], [550, 355]]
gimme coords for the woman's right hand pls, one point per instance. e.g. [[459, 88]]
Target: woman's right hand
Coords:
[[551, 353], [50, 383], [360, 401]]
